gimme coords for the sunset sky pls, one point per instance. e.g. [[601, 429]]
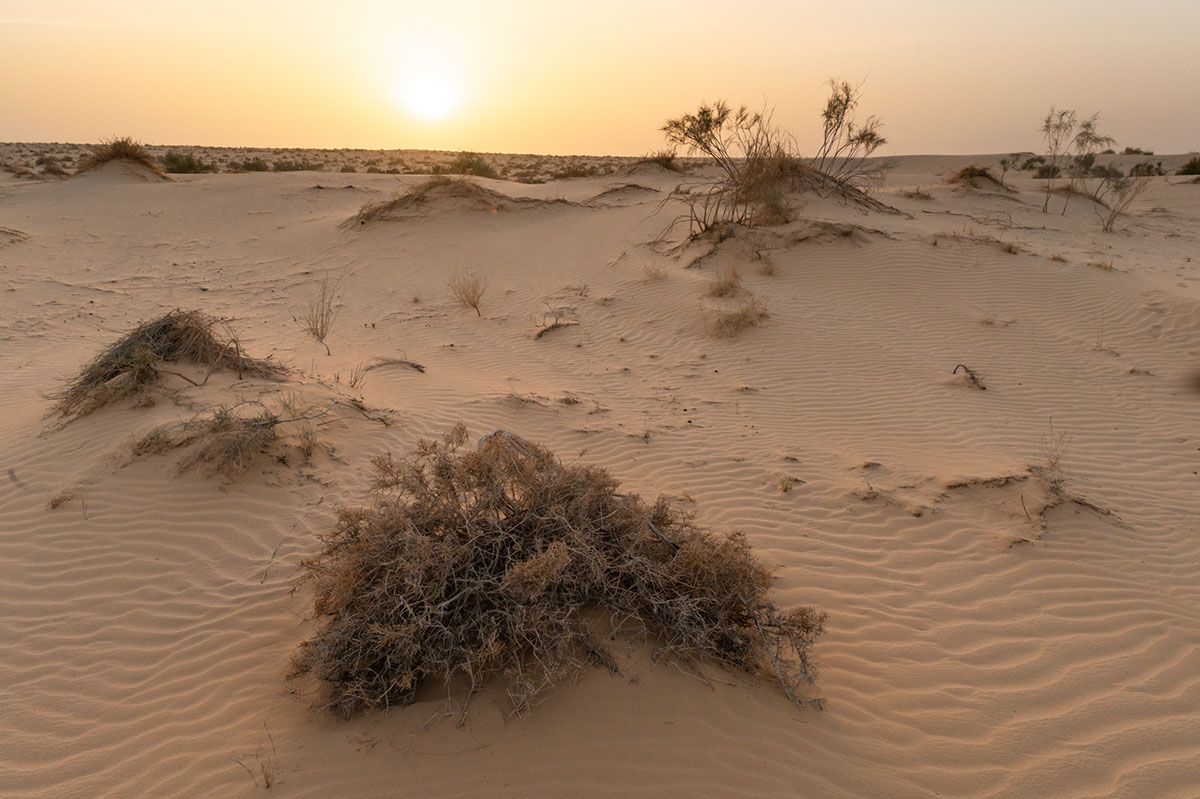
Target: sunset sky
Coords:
[[598, 78]]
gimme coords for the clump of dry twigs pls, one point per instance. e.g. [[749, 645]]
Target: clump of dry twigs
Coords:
[[727, 323], [318, 315], [727, 283], [467, 289], [474, 565], [135, 361], [225, 443]]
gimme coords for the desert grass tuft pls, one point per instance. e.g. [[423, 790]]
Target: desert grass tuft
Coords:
[[121, 148], [467, 289], [667, 159], [727, 283], [729, 323], [231, 438], [495, 564], [134, 361], [320, 312]]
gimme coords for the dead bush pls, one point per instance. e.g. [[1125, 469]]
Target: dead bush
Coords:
[[231, 438], [467, 289], [489, 564], [135, 361], [318, 315]]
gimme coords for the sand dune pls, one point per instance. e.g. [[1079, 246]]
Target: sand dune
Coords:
[[1010, 574]]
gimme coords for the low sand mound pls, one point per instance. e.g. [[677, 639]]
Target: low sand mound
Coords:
[[623, 194], [122, 171], [979, 178], [648, 169], [445, 195]]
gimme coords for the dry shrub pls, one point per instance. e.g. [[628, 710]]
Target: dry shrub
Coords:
[[229, 440], [475, 565], [727, 283], [973, 175], [467, 289], [319, 313], [729, 323], [667, 159], [121, 148], [134, 361]]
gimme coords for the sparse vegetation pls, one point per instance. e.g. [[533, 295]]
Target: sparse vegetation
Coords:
[[726, 283], [186, 164], [505, 564], [729, 323], [319, 313], [1192, 167], [249, 165], [667, 159], [135, 361], [297, 165], [467, 289], [231, 438], [121, 148], [468, 164], [654, 271], [974, 176], [847, 145], [1057, 128], [750, 153]]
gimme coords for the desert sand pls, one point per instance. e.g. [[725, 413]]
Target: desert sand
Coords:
[[1011, 575]]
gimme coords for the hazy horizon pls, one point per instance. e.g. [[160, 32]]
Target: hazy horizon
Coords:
[[563, 81]]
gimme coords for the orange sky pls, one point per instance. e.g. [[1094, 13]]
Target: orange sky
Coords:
[[564, 77]]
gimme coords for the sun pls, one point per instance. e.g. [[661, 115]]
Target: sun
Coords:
[[432, 96]]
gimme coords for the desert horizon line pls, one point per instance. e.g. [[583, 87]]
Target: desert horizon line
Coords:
[[482, 151]]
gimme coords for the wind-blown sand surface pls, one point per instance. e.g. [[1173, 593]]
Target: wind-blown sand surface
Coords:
[[989, 634]]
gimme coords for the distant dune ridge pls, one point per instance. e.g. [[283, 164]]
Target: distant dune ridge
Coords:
[[1007, 552]]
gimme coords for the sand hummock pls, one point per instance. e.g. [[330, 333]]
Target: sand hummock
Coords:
[[1010, 569]]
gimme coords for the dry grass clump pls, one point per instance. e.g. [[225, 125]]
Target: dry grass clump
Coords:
[[727, 283], [134, 361], [320, 312], [667, 159], [488, 564], [976, 177], [467, 289], [225, 443], [121, 148], [233, 437], [729, 323]]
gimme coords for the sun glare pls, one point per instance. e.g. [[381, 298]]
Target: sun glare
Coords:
[[429, 95]]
